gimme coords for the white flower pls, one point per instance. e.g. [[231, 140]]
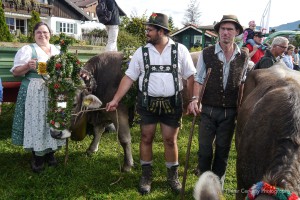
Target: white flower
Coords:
[[153, 68], [61, 97], [145, 54], [57, 124], [168, 68], [174, 51], [146, 80], [161, 67], [174, 66], [147, 66], [145, 93]]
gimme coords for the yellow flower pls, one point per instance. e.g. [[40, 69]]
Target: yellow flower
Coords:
[[87, 102], [42, 68]]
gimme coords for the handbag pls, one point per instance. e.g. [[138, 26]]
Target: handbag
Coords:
[[103, 14]]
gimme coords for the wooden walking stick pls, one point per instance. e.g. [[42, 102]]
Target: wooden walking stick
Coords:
[[188, 151]]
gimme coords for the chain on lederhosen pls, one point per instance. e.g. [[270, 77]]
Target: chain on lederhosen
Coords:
[[160, 102]]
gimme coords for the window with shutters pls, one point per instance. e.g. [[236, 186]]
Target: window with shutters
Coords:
[[64, 27]]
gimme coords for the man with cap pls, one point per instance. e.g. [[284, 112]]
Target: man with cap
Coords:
[[255, 53], [159, 68], [219, 103]]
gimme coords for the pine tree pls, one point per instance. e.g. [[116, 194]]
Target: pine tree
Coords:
[[5, 35], [35, 18], [171, 24]]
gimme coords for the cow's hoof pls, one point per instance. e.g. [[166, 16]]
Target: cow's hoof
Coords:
[[90, 152], [126, 168]]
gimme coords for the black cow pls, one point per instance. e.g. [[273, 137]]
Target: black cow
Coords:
[[268, 130]]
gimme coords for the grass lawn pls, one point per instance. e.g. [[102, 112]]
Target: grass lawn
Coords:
[[97, 176]]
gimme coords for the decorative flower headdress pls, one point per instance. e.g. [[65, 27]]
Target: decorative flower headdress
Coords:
[[62, 82], [265, 188], [153, 16]]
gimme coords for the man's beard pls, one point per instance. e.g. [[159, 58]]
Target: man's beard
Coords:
[[153, 41]]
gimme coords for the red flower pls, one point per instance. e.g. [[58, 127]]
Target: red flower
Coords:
[[154, 15], [293, 197], [269, 189], [52, 122], [77, 62], [57, 66], [62, 42], [56, 85]]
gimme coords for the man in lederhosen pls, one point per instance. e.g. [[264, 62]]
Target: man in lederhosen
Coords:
[[159, 68]]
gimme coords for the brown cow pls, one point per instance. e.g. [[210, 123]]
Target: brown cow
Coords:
[[268, 130], [105, 74], [105, 70]]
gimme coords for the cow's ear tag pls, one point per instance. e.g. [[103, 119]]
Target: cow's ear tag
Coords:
[[61, 104]]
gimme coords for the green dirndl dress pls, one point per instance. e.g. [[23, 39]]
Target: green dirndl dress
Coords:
[[30, 128], [19, 116]]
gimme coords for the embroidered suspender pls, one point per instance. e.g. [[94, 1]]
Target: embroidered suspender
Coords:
[[173, 68]]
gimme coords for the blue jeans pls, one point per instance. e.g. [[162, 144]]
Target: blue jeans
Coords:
[[216, 124]]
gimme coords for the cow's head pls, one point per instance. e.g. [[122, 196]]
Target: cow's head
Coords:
[[83, 102]]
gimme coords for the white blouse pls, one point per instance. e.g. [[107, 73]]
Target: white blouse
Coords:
[[25, 54]]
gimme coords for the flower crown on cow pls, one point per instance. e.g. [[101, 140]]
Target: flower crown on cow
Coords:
[[265, 188], [63, 80]]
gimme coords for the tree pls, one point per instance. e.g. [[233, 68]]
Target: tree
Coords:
[[135, 26], [171, 24], [35, 18], [5, 35], [192, 13]]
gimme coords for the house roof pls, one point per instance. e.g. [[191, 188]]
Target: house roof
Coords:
[[73, 5], [84, 3], [208, 31]]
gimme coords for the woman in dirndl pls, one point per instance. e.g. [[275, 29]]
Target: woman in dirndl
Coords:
[[30, 128]]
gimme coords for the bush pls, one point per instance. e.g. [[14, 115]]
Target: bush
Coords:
[[127, 40], [55, 39], [194, 49], [21, 38]]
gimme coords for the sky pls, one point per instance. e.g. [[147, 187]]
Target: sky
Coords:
[[281, 12]]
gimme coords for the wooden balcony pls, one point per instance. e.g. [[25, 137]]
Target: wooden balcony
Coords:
[[44, 9]]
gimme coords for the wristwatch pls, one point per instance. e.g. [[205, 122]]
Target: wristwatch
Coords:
[[194, 98]]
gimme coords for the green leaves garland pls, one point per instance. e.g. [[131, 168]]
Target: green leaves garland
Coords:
[[63, 70]]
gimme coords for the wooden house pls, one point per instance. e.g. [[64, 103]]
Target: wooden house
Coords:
[[193, 36], [88, 6], [62, 16]]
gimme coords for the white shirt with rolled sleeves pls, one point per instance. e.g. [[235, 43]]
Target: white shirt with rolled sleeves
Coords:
[[201, 67], [161, 84]]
